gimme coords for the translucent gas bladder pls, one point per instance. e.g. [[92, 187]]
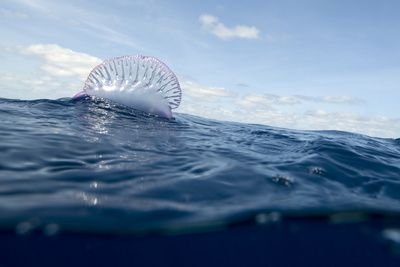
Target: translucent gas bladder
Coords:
[[142, 82]]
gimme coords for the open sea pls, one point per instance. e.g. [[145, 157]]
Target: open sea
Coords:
[[90, 166]]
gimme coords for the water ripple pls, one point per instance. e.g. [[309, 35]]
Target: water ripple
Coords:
[[91, 164]]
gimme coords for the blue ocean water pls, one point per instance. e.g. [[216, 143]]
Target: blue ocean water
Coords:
[[93, 166]]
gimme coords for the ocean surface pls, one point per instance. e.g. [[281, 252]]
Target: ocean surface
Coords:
[[93, 166]]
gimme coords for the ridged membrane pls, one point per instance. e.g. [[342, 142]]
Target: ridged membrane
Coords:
[[143, 82]]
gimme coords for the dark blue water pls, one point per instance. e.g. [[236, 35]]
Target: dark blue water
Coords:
[[91, 165]]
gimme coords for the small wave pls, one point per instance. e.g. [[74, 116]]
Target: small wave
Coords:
[[96, 165]]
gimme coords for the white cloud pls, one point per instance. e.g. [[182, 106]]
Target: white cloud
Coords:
[[307, 120], [371, 125], [268, 109], [60, 73], [61, 62], [17, 86], [7, 77], [339, 99], [217, 28], [204, 93], [269, 100]]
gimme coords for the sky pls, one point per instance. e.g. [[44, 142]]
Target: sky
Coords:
[[311, 64]]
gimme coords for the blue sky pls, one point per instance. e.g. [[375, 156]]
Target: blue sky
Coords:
[[319, 64]]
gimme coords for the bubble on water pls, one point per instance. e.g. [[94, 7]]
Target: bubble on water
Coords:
[[283, 180], [317, 171], [264, 218], [24, 228], [393, 236], [141, 82], [51, 229]]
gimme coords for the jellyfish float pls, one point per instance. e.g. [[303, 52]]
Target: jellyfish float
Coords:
[[141, 82]]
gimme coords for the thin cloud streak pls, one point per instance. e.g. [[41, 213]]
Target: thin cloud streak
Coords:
[[214, 26], [90, 22], [12, 14], [204, 93], [268, 100]]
